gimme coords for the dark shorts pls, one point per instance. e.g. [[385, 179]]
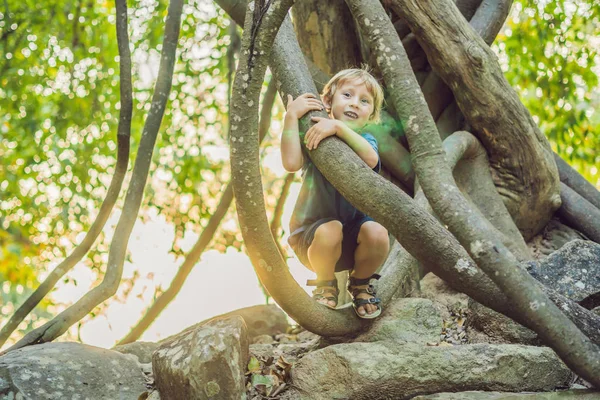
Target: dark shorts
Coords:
[[301, 241]]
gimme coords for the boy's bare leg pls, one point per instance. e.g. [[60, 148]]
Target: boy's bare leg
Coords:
[[371, 252], [324, 252]]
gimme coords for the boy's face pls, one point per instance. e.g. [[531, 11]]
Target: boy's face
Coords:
[[352, 103]]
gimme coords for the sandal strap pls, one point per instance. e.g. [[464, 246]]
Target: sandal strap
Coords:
[[323, 291], [362, 302], [362, 281], [319, 283], [368, 290]]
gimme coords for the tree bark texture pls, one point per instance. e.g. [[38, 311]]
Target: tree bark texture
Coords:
[[476, 234], [59, 325], [470, 167], [507, 131], [579, 213], [123, 144], [268, 263], [578, 183], [326, 34], [418, 231]]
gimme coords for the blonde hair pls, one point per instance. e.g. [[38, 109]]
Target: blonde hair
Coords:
[[367, 79]]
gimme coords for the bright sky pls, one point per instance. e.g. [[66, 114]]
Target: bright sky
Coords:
[[219, 283]]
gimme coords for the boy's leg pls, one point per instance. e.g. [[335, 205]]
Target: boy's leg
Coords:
[[325, 250], [371, 252]]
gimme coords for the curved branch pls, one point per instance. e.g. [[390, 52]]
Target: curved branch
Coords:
[[278, 212], [578, 183], [469, 163], [474, 233], [266, 259], [509, 134], [161, 302], [579, 213], [123, 139], [57, 326]]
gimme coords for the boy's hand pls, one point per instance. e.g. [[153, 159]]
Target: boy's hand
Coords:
[[323, 128], [303, 104]]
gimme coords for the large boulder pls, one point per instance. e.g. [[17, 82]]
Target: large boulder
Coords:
[[207, 362], [385, 370], [406, 320], [69, 371], [573, 271]]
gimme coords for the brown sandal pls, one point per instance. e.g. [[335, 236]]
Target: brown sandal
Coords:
[[356, 302], [325, 291]]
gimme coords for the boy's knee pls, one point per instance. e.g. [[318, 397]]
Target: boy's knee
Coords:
[[373, 235], [329, 234]]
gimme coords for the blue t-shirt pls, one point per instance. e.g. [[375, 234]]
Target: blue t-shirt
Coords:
[[319, 199]]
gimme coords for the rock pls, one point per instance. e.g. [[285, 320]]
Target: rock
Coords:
[[406, 320], [436, 289], [495, 327], [263, 339], [260, 320], [291, 350], [446, 299], [264, 319], [562, 395], [207, 362], [554, 236], [573, 271], [385, 370], [262, 350], [69, 371], [142, 350]]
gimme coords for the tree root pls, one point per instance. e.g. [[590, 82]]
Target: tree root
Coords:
[[579, 213], [469, 67], [578, 183], [473, 232]]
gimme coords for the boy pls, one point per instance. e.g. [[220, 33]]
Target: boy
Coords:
[[327, 233]]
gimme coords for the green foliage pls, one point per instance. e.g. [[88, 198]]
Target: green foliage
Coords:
[[549, 50], [59, 92]]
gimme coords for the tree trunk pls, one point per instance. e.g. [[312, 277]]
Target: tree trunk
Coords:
[[326, 34]]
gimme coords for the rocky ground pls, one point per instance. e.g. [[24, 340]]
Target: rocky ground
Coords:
[[435, 344]]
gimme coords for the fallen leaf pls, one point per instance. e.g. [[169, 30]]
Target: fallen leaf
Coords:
[[283, 364], [253, 366]]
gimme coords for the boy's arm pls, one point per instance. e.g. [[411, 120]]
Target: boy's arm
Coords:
[[291, 148], [325, 127], [359, 144]]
